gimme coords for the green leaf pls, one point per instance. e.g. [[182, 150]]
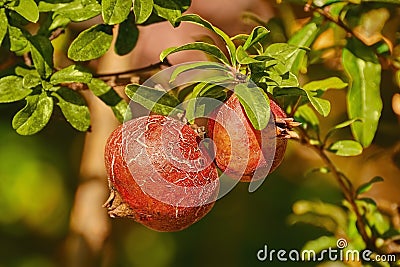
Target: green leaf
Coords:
[[107, 94], [72, 73], [73, 107], [99, 87], [3, 24], [91, 43], [345, 123], [142, 10], [122, 111], [34, 116], [305, 114], [11, 89], [167, 9], [346, 148], [282, 52], [128, 34], [340, 126], [205, 47], [202, 22], [20, 71], [31, 81], [202, 65], [329, 83], [258, 34], [255, 103], [154, 100], [303, 38], [27, 9], [320, 210], [367, 186], [42, 55], [243, 58], [323, 106], [18, 41], [79, 11], [363, 98], [196, 107], [59, 22], [115, 11]]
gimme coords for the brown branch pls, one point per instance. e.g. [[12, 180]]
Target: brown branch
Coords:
[[57, 32], [134, 71]]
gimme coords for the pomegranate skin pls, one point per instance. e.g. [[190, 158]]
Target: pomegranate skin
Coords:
[[159, 153], [238, 145]]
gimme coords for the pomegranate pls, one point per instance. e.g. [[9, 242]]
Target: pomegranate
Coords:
[[243, 152], [159, 174]]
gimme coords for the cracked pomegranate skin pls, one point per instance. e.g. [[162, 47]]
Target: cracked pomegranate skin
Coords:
[[238, 145], [163, 156]]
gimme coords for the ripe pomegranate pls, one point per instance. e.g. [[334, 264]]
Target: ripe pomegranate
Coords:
[[243, 152], [159, 174]]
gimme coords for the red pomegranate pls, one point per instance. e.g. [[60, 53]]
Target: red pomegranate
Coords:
[[243, 152], [159, 174]]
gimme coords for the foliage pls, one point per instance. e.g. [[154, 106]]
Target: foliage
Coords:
[[257, 64]]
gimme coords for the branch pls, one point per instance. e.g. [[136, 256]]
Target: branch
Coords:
[[134, 71], [348, 191]]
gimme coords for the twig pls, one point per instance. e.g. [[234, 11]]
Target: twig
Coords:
[[133, 71], [57, 32]]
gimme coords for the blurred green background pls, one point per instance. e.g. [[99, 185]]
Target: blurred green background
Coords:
[[39, 176]]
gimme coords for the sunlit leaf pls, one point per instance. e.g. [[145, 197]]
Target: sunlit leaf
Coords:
[[91, 43], [200, 21], [79, 11], [108, 95], [27, 9], [363, 98], [346, 148], [367, 186], [115, 11], [31, 80], [303, 38], [283, 53], [72, 73], [195, 106], [142, 10], [323, 106], [243, 58], [167, 9], [329, 83], [202, 65], [74, 108], [306, 116], [3, 24], [154, 100], [258, 34], [255, 103], [11, 89], [42, 55], [205, 47], [18, 41], [34, 116]]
